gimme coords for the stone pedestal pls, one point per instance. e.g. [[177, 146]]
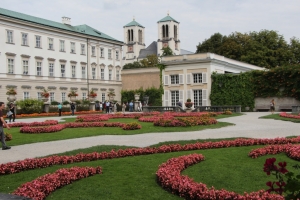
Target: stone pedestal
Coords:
[[136, 105], [188, 110], [46, 107], [92, 106]]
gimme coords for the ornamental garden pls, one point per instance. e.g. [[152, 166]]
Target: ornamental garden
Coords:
[[204, 169]]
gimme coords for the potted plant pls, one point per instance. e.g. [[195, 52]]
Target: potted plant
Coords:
[[11, 92], [189, 103], [72, 95], [111, 95], [45, 95], [137, 97], [92, 95]]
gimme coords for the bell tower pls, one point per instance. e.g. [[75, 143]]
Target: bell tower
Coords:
[[168, 35], [134, 39]]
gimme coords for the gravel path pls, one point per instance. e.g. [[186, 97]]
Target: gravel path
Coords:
[[247, 125]]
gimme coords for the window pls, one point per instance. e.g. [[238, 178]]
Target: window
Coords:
[[50, 43], [62, 70], [110, 74], [25, 95], [83, 95], [39, 96], [38, 41], [93, 73], [102, 53], [62, 45], [83, 72], [24, 39], [197, 78], [174, 79], [102, 74], [63, 96], [72, 47], [82, 49], [51, 69], [103, 97], [117, 55], [109, 53], [51, 96], [174, 97], [10, 66], [10, 37], [118, 75], [25, 66], [39, 68], [73, 71], [198, 97], [93, 51]]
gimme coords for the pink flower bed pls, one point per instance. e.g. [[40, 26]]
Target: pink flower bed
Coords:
[[292, 151], [283, 114], [15, 167], [45, 123], [41, 187], [169, 177]]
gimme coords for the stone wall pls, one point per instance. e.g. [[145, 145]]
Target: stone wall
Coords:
[[279, 102], [133, 79]]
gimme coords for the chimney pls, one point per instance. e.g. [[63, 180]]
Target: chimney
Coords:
[[66, 20]]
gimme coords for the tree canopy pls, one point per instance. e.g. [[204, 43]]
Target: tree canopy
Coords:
[[265, 48]]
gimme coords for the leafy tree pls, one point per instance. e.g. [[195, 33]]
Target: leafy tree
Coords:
[[167, 51], [265, 48]]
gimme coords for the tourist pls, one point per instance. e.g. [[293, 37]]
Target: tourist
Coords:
[[107, 104], [59, 109], [72, 108], [272, 106], [123, 108], [2, 122], [12, 110], [131, 106]]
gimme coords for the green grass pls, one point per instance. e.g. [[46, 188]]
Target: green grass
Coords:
[[69, 133], [134, 177], [277, 117]]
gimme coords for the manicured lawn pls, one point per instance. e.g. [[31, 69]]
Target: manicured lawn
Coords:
[[69, 133], [134, 177], [277, 117]]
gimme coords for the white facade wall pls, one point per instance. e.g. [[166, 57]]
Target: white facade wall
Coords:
[[33, 54]]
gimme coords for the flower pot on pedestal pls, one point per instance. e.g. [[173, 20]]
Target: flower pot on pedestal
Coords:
[[72, 98], [11, 98], [44, 99], [92, 99], [136, 97]]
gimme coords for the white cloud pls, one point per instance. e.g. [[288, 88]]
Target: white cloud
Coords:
[[199, 19]]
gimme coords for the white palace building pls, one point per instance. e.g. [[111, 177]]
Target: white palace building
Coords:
[[37, 53]]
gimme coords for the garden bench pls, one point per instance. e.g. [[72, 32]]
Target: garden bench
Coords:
[[285, 107], [262, 107]]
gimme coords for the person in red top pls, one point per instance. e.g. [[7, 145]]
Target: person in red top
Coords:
[[3, 122]]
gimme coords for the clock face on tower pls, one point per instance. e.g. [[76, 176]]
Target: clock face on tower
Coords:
[[130, 48], [165, 44]]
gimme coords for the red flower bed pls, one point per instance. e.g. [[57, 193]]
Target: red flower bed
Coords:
[[132, 126], [45, 123], [14, 167], [283, 114], [185, 121], [292, 151], [41, 187], [169, 177]]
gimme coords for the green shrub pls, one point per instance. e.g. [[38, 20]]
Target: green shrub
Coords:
[[65, 103], [54, 103], [29, 106]]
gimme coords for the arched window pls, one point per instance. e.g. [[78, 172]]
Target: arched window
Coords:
[[131, 35], [175, 32], [167, 31], [140, 36], [163, 31], [128, 35]]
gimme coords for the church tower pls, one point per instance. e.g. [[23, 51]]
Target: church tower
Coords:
[[134, 39], [168, 35]]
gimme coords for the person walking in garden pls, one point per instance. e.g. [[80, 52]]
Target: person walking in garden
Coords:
[[123, 108], [3, 122], [131, 106], [107, 104], [59, 109], [272, 106], [12, 110], [72, 108]]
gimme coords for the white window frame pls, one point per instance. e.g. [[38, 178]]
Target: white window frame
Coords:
[[51, 69], [93, 51], [52, 96], [84, 95], [39, 68], [118, 75], [174, 97], [24, 39], [117, 55], [39, 95], [73, 71], [62, 70], [109, 54], [83, 72], [26, 95], [10, 36], [25, 66], [82, 49], [10, 65], [73, 47], [110, 74], [51, 43], [63, 96], [174, 79], [93, 72], [62, 45], [103, 97], [38, 41], [102, 52], [102, 74], [197, 78]]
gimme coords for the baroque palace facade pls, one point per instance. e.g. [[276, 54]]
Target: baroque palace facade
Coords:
[[41, 54]]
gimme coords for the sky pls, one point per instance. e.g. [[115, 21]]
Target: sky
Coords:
[[199, 19]]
